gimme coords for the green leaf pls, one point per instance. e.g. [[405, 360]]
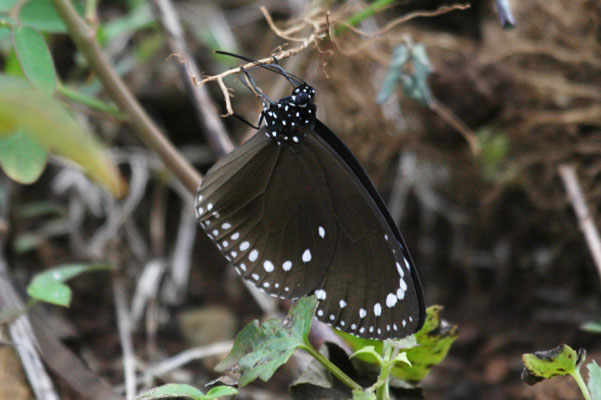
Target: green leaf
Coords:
[[35, 58], [434, 342], [494, 147], [425, 349], [220, 391], [172, 390], [540, 365], [593, 326], [49, 285], [259, 350], [41, 15], [368, 350], [403, 358], [410, 67], [22, 157], [139, 18], [4, 32], [363, 395], [6, 5], [594, 380], [12, 66], [42, 117]]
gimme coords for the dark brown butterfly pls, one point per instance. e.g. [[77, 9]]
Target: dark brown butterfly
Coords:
[[296, 214]]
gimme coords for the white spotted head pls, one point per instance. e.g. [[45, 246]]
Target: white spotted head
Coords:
[[284, 118]]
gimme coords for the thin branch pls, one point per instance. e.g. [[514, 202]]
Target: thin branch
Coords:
[[85, 39], [205, 108], [375, 36], [187, 356], [124, 325], [585, 221], [450, 118]]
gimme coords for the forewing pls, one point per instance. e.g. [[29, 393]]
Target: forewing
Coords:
[[262, 205]]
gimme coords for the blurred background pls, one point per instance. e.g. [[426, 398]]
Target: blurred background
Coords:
[[462, 124]]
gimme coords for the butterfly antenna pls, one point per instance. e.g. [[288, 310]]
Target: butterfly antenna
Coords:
[[275, 68], [246, 121], [253, 87]]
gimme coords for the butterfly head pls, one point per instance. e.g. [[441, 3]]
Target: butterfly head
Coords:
[[284, 117]]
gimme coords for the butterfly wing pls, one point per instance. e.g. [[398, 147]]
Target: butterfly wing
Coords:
[[262, 206], [371, 268], [299, 219]]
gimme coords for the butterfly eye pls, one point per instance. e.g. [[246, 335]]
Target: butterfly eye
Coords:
[[302, 99]]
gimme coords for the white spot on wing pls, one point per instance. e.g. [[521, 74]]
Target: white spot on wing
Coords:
[[255, 277], [342, 303], [322, 232], [391, 300], [332, 317], [320, 313], [235, 236], [377, 309], [362, 313], [226, 225], [353, 327], [320, 294], [254, 254], [287, 265], [266, 284], [400, 270], [400, 294], [243, 267], [244, 246], [307, 255], [268, 265], [209, 206]]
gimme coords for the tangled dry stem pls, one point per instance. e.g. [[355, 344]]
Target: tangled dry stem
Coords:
[[321, 23]]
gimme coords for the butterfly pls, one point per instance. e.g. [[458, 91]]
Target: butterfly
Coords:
[[296, 214]]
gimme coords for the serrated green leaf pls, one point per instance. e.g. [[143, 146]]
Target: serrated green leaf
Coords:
[[22, 157], [42, 117], [540, 365], [259, 350], [425, 350], [49, 285], [172, 390], [35, 58], [434, 342], [363, 395], [594, 380], [220, 391]]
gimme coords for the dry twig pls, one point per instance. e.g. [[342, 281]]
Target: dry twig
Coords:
[[585, 220]]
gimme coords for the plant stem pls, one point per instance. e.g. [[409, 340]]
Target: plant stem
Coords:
[[85, 40], [368, 11], [91, 102], [337, 372], [578, 378]]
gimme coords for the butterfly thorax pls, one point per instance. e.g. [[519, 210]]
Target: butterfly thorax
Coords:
[[284, 118]]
